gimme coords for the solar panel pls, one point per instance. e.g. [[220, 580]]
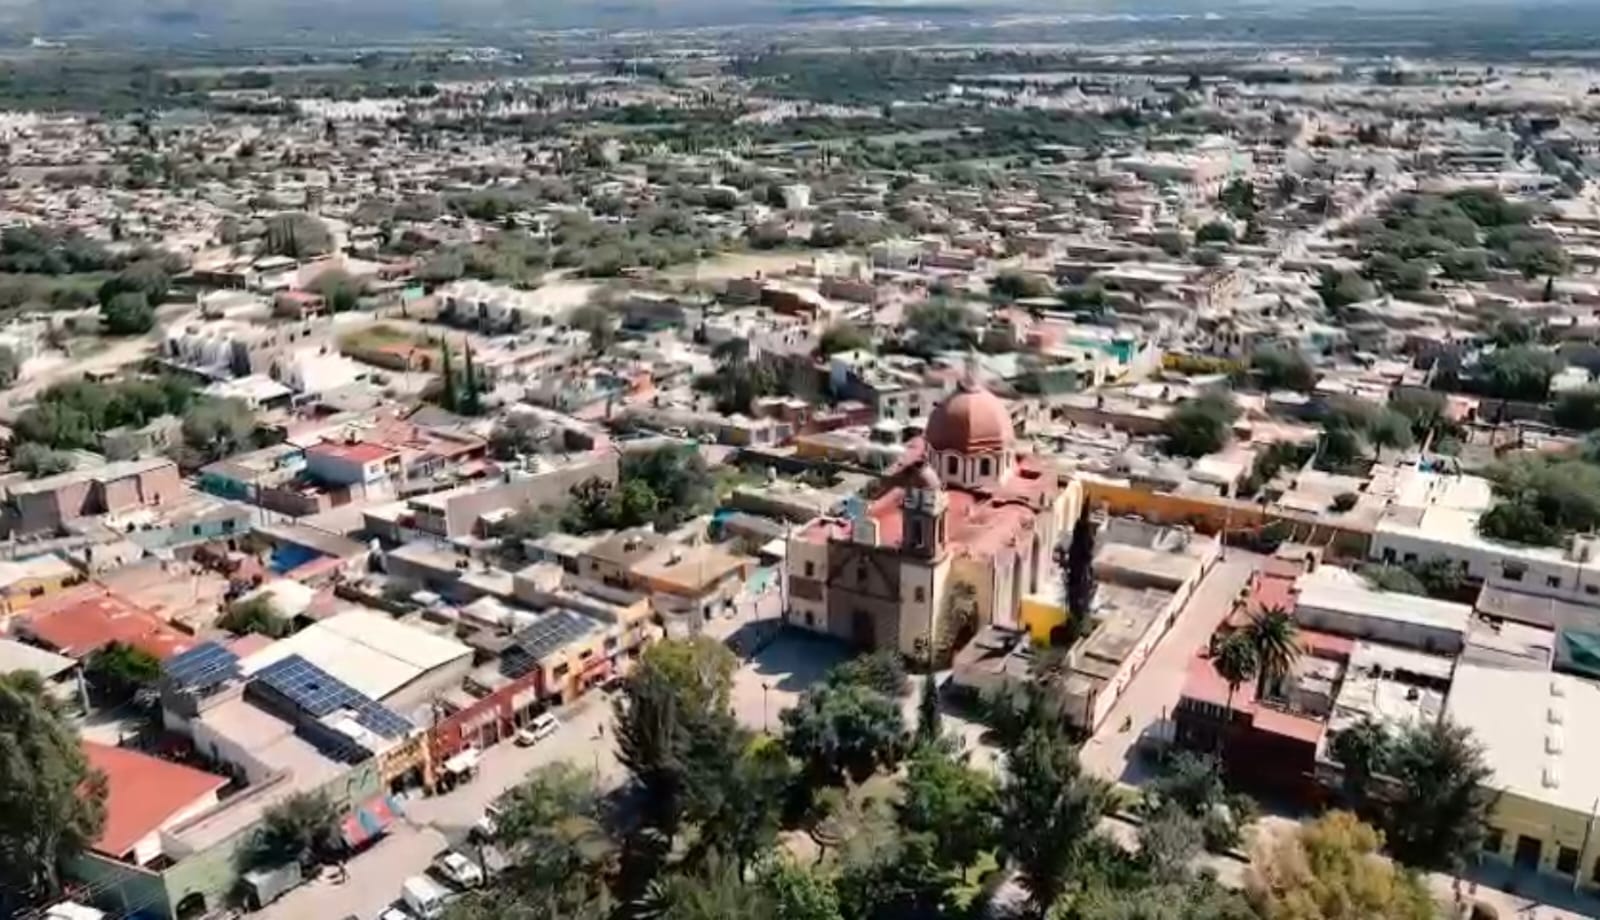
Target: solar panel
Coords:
[[552, 631], [308, 687], [383, 720], [205, 665], [318, 694]]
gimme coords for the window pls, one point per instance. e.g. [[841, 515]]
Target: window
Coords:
[[227, 526], [36, 591], [811, 620], [985, 467], [1591, 589], [197, 530], [952, 466], [560, 671], [1388, 555], [1567, 861], [920, 595], [811, 569], [1513, 571], [1410, 558], [1552, 581], [1494, 839]]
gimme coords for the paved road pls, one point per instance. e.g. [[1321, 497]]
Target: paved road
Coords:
[[1156, 688], [433, 824]]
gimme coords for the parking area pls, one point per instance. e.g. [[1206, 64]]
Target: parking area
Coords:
[[433, 824]]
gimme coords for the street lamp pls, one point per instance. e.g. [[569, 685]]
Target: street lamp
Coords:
[[765, 688]]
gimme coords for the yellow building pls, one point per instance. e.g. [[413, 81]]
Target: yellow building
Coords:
[[1040, 614], [1535, 732], [28, 581]]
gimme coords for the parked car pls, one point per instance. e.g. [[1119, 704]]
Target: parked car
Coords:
[[263, 886], [543, 726], [424, 897], [487, 826], [458, 870], [396, 913]]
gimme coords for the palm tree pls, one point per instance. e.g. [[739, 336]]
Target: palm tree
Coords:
[[1275, 637], [1236, 661]]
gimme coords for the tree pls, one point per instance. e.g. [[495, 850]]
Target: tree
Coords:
[[471, 396], [1283, 369], [448, 397], [303, 828], [147, 276], [1049, 809], [1389, 429], [52, 802], [549, 824], [1332, 870], [1237, 662], [881, 671], [10, 366], [1078, 575], [1239, 199], [899, 882], [1169, 841], [1018, 285], [119, 671], [796, 893], [297, 235], [1519, 372], [257, 614], [1341, 289], [929, 728], [219, 428], [1200, 426], [844, 730], [1395, 578], [599, 323], [936, 326], [1214, 232], [1438, 820], [745, 821], [1274, 634], [716, 892], [843, 336], [38, 460], [1362, 751], [954, 804], [673, 724], [128, 313], [339, 290], [1579, 409]]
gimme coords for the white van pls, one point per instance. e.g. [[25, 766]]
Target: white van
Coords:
[[424, 896]]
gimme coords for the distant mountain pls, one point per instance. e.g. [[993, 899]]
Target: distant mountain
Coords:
[[271, 22]]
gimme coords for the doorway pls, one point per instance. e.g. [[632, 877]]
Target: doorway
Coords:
[[1528, 852]]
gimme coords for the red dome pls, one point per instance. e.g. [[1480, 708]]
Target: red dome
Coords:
[[973, 420]]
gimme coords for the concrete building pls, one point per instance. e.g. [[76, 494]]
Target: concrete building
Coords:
[[54, 502], [1546, 767]]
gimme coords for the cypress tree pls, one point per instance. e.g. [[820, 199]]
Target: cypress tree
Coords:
[[1079, 575], [447, 395]]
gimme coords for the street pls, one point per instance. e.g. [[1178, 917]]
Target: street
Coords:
[[433, 824], [1154, 691]]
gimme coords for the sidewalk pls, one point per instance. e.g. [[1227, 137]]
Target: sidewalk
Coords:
[[1536, 897]]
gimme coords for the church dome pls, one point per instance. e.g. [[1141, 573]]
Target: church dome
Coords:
[[973, 420]]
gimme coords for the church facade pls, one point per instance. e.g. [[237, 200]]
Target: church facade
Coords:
[[959, 533]]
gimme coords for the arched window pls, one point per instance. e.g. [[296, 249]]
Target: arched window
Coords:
[[985, 467], [952, 465]]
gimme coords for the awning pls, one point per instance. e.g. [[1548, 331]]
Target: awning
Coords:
[[369, 820], [464, 762]]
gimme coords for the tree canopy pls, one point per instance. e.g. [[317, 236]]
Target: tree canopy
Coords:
[[1200, 426], [52, 804]]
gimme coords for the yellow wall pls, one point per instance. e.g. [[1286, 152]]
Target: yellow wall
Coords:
[[1040, 615], [27, 591], [1553, 827]]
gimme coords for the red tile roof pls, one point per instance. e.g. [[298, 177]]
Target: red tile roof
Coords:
[[143, 793], [97, 618]]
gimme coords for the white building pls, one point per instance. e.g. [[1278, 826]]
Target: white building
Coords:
[[1435, 516], [1339, 601]]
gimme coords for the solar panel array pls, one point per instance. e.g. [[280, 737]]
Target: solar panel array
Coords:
[[205, 665], [538, 640], [319, 694]]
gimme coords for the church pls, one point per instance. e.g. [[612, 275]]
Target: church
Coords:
[[956, 535]]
